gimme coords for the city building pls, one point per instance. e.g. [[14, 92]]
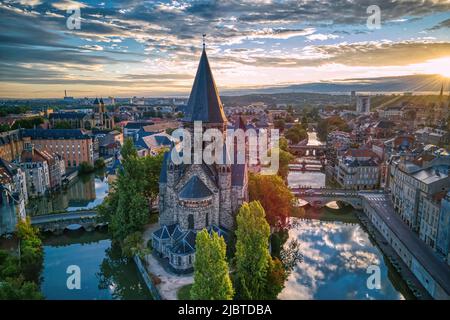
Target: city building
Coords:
[[11, 145], [419, 188], [13, 196], [75, 120], [152, 144], [35, 164], [100, 118], [197, 196], [131, 128], [74, 145], [363, 104], [443, 236], [358, 169]]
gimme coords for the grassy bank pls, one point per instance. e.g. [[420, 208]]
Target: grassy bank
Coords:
[[184, 293]]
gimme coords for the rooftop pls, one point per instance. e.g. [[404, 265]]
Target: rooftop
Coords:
[[55, 134], [204, 102]]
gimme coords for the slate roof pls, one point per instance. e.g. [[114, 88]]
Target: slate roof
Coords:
[[220, 231], [194, 189], [67, 115], [204, 102], [138, 125], [55, 134], [154, 141], [9, 167], [185, 245]]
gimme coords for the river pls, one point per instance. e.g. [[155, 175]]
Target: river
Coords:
[[105, 274], [337, 252], [84, 193]]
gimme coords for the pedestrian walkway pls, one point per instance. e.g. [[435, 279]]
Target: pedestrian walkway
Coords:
[[170, 281]]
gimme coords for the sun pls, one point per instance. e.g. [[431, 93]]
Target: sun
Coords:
[[438, 66]]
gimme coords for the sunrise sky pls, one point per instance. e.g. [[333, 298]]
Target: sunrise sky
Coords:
[[152, 48]]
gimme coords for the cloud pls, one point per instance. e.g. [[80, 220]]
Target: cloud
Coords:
[[165, 36], [321, 36], [441, 25]]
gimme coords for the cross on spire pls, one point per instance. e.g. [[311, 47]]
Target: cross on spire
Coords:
[[204, 40]]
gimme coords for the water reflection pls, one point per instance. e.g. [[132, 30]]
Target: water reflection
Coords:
[[86, 192], [336, 257], [312, 179], [105, 274]]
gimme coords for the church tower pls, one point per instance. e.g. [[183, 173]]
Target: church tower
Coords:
[[194, 196]]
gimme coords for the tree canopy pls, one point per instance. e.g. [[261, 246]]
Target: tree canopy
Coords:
[[128, 205], [211, 275], [275, 197], [296, 133], [252, 251]]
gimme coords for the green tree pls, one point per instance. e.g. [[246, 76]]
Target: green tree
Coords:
[[328, 125], [4, 128], [283, 166], [132, 209], [99, 163], [283, 143], [211, 274], [275, 197], [31, 252], [86, 167], [62, 125], [252, 252], [296, 133], [128, 206], [28, 123], [128, 150], [134, 245], [279, 124]]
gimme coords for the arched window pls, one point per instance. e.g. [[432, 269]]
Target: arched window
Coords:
[[191, 221], [207, 220]]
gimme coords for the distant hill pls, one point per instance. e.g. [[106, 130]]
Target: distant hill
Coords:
[[420, 83]]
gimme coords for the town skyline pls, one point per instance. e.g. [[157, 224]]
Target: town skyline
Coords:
[[134, 48]]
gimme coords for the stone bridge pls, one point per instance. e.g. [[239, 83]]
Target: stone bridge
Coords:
[[319, 197], [57, 223], [311, 150]]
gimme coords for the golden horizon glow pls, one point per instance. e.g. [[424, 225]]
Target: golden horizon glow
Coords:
[[439, 66]]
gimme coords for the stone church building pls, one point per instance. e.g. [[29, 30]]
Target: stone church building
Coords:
[[197, 196]]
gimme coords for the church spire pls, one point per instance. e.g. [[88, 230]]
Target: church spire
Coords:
[[204, 102]]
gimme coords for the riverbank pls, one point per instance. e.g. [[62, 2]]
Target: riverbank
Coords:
[[413, 285]]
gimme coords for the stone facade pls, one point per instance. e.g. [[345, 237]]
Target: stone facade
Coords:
[[197, 196]]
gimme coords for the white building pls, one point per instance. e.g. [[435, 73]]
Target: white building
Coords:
[[363, 104], [13, 196], [36, 169], [358, 169], [419, 194]]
